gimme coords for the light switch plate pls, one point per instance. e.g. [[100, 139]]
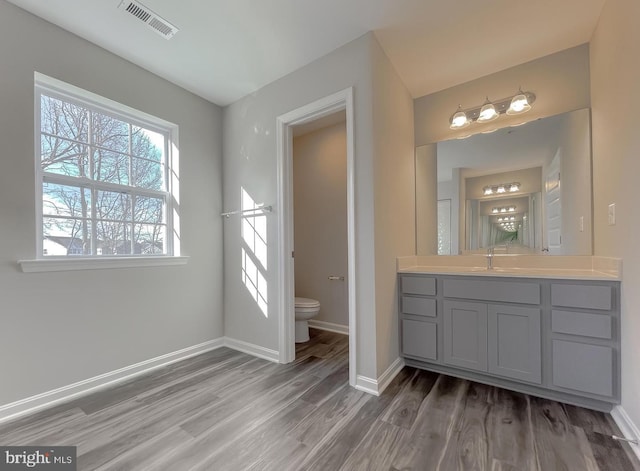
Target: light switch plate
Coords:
[[612, 214]]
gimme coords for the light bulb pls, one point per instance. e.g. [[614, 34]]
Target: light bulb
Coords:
[[514, 187], [519, 104], [502, 189], [488, 191], [459, 120], [487, 112], [494, 210]]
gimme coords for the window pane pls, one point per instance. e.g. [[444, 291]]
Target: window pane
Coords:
[[66, 236], [148, 209], [63, 119], [110, 133], [113, 206], [147, 174], [147, 144], [110, 167], [149, 239], [64, 200], [63, 157], [114, 237]]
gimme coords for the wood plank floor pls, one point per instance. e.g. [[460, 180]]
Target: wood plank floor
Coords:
[[225, 410]]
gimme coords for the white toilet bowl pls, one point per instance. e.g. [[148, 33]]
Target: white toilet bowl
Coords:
[[305, 309]]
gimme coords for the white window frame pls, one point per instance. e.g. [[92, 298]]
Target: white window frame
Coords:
[[71, 94]]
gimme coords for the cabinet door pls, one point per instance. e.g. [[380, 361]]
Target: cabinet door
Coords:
[[465, 335], [583, 367], [420, 339], [514, 342]]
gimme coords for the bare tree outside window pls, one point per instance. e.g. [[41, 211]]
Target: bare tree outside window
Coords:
[[104, 188]]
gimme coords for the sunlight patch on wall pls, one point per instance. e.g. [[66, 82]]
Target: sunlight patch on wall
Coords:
[[254, 252]]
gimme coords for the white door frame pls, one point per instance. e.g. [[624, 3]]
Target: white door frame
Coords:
[[342, 100]]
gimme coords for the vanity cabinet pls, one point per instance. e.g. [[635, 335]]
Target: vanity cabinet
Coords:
[[498, 339], [584, 343], [554, 338]]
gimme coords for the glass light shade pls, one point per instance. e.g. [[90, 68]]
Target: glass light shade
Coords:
[[512, 209], [519, 104], [502, 189], [488, 191], [459, 120], [487, 113], [503, 210], [494, 210], [514, 187]]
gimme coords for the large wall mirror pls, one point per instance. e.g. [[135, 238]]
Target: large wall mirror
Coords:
[[522, 189]]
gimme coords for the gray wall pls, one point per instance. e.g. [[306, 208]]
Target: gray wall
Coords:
[[250, 164], [616, 146], [60, 328], [384, 192], [394, 178], [320, 220]]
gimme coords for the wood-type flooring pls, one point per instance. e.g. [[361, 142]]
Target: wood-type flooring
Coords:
[[225, 410]]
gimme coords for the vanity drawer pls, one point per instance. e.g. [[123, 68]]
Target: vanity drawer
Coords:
[[419, 306], [504, 291], [418, 285], [583, 367], [582, 296], [581, 323], [419, 339]]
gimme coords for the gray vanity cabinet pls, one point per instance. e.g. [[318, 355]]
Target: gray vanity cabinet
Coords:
[[465, 334], [500, 339], [419, 318], [583, 341], [550, 337]]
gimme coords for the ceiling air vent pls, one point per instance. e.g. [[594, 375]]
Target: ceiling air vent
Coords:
[[153, 21]]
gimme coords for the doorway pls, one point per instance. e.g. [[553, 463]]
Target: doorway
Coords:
[[340, 101]]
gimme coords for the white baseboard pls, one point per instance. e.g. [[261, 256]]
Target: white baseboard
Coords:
[[81, 388], [367, 385], [377, 386], [385, 378], [627, 427], [329, 326], [252, 349]]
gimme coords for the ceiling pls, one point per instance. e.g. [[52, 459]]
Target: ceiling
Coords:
[[227, 49]]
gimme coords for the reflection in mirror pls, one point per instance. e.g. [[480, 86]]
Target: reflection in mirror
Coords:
[[524, 189]]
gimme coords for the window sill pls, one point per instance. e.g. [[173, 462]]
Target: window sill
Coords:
[[58, 264]]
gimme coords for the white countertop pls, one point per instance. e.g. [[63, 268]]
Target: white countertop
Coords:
[[553, 273], [518, 266]]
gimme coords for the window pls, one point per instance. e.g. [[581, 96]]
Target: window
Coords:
[[103, 176]]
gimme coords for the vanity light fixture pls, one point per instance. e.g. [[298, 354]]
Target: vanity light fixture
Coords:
[[504, 209], [501, 188], [513, 105]]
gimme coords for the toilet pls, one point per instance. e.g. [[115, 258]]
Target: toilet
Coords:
[[305, 309]]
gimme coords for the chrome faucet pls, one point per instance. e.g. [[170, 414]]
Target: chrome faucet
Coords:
[[490, 253]]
